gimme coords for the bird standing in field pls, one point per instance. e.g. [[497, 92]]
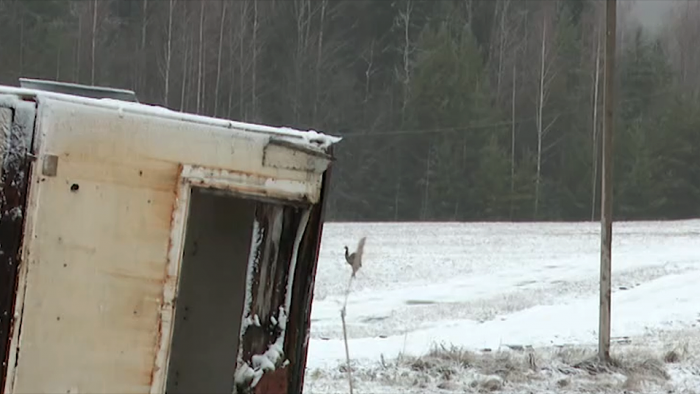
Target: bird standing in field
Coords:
[[354, 259]]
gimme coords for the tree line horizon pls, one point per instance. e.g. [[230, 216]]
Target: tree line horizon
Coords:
[[450, 110]]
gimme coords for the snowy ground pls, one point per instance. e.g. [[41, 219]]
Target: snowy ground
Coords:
[[457, 289]]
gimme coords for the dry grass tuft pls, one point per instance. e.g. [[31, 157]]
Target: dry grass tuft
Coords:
[[677, 354], [566, 368], [453, 355], [650, 368], [491, 383], [672, 357], [636, 367]]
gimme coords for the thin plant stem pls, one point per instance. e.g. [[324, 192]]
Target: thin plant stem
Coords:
[[345, 333]]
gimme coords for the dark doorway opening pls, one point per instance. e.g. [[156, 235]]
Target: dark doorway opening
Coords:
[[211, 293]]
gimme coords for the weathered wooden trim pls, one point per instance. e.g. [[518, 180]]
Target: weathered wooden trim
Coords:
[[297, 147], [171, 284], [251, 185], [298, 329], [16, 170]]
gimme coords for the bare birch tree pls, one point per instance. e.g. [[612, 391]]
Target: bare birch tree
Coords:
[[76, 11], [512, 131], [200, 58], [407, 48], [546, 77], [188, 49], [681, 38], [168, 52], [242, 68], [595, 148], [218, 59], [254, 75], [141, 64], [94, 40], [302, 16], [502, 42], [324, 4]]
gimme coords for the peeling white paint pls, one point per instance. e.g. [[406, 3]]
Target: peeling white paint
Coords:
[[253, 184], [304, 185], [167, 312], [310, 139]]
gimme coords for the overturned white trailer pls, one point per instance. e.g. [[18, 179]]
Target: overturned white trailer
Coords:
[[150, 251]]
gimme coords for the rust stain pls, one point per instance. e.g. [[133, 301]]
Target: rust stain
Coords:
[[215, 169], [237, 172], [138, 278], [168, 281], [72, 245], [274, 382]]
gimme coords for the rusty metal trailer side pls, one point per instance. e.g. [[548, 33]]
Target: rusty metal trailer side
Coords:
[[113, 177], [16, 134]]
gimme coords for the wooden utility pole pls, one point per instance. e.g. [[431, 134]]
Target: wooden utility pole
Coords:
[[606, 185]]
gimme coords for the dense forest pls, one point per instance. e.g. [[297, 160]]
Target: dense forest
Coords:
[[449, 109]]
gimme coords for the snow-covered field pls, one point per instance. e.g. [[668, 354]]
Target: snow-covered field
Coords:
[[431, 298]]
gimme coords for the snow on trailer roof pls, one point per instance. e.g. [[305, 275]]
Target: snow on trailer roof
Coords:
[[310, 139]]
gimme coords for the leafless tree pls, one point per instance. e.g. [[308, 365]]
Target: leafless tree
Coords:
[[321, 27], [168, 51], [596, 145], [407, 49], [94, 40], [218, 58], [200, 58], [546, 77], [681, 38]]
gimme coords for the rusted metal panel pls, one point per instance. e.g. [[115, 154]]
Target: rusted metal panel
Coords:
[[298, 328], [266, 314], [5, 127], [275, 382], [282, 280], [16, 128], [95, 281], [104, 242]]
